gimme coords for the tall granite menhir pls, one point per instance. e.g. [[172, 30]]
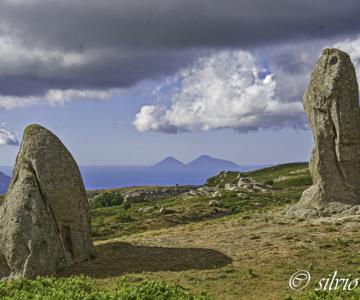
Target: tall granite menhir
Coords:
[[332, 106], [44, 221]]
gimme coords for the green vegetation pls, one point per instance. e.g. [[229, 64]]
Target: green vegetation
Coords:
[[293, 174], [277, 171], [106, 199], [223, 178], [85, 288], [285, 175], [109, 221], [116, 221], [328, 295], [239, 247]]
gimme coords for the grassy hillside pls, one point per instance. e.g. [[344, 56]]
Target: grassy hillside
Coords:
[[241, 248], [116, 221], [293, 174], [232, 244]]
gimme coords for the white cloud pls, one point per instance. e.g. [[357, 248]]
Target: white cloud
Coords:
[[53, 97], [227, 89], [7, 137]]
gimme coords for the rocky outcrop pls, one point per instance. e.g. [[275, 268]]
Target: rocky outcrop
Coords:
[[332, 106], [45, 222], [251, 185], [135, 195], [243, 187], [248, 184], [144, 195]]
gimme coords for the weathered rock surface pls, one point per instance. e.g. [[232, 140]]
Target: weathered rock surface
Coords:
[[332, 106], [231, 187], [250, 185], [45, 223]]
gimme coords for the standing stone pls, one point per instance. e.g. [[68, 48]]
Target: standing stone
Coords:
[[44, 221], [332, 106]]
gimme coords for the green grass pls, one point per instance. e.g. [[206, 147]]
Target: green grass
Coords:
[[328, 295], [239, 249], [115, 221], [262, 247], [222, 179], [85, 288], [267, 175], [271, 173], [110, 222], [106, 199]]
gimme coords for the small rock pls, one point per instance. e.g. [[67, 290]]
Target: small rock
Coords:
[[242, 195], [216, 194], [133, 197], [214, 203], [249, 184], [282, 178], [300, 171], [166, 211], [145, 209], [244, 181], [231, 187], [126, 204]]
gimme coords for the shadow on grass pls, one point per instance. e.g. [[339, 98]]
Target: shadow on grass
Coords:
[[114, 259]]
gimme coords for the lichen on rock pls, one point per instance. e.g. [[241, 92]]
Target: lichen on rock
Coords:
[[45, 221], [331, 103]]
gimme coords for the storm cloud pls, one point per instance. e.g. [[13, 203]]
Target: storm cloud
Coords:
[[102, 45]]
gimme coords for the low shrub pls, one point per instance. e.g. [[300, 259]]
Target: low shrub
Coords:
[[85, 288], [106, 199]]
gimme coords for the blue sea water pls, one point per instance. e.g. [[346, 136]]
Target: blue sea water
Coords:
[[101, 177]]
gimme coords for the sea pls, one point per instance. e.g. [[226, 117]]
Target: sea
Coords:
[[104, 177]]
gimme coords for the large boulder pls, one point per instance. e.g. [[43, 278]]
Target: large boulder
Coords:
[[44, 221], [332, 106]]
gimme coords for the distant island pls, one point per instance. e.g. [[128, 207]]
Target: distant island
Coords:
[[203, 162], [169, 171]]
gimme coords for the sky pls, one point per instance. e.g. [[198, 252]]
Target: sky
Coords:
[[130, 82]]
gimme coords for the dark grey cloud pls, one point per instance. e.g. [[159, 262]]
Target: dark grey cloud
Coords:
[[47, 44], [177, 24]]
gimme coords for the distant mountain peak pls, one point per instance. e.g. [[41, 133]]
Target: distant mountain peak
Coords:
[[203, 162], [170, 158], [206, 161], [169, 161], [205, 156]]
